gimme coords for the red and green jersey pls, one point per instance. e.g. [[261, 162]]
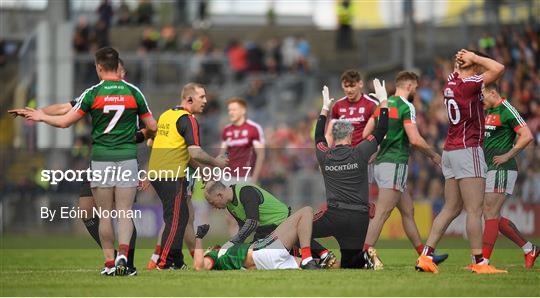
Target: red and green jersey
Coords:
[[233, 259], [502, 122], [114, 106], [395, 146]]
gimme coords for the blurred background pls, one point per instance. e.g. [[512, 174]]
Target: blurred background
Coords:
[[276, 54]]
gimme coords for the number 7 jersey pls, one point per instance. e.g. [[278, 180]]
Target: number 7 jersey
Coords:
[[463, 101], [114, 106]]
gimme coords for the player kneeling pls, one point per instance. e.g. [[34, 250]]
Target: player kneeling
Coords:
[[268, 253]]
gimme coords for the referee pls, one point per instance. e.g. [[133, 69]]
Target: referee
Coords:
[[345, 172], [176, 143]]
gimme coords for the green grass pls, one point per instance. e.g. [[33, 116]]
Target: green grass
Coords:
[[75, 272]]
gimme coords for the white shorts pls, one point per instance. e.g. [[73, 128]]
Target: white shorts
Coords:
[[114, 173], [464, 163], [274, 256], [501, 181], [391, 175]]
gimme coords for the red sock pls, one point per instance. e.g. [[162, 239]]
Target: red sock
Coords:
[[508, 229], [419, 249], [123, 249], [367, 246], [192, 252], [109, 263], [428, 251], [157, 250], [491, 231], [306, 252], [323, 252]]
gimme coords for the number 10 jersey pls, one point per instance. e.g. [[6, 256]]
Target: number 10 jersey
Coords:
[[463, 101]]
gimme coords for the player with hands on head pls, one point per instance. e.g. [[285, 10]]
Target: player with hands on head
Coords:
[[463, 164]]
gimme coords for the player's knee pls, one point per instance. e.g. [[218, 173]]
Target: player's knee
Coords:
[[307, 210], [489, 211]]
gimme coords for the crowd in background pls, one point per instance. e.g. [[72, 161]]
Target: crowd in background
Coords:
[[290, 145]]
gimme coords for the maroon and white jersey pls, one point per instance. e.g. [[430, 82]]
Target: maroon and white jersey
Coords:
[[358, 113], [239, 143], [463, 100]]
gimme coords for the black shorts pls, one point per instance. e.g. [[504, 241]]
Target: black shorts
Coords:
[[349, 228], [86, 191]]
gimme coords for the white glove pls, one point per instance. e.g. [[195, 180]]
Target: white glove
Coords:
[[380, 90], [224, 248], [327, 101]]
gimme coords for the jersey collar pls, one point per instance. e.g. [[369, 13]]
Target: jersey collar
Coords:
[[499, 102]]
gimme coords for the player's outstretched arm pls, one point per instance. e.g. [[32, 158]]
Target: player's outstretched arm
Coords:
[[53, 110], [416, 140], [62, 121], [524, 138], [259, 160]]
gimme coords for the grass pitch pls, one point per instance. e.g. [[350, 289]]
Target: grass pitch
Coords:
[[75, 272]]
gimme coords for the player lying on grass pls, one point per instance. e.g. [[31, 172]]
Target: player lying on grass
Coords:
[[503, 123], [269, 253], [256, 210], [391, 164], [86, 200]]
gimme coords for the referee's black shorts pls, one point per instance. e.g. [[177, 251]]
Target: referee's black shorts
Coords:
[[348, 227]]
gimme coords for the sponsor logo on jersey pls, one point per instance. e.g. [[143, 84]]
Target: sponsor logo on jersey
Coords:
[[448, 92], [361, 110], [238, 142], [338, 168]]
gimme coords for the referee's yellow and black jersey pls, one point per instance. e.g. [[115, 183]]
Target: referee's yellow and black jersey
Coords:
[[177, 130]]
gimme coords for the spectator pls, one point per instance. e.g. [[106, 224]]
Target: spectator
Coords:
[[274, 58], [187, 39], [237, 59], [168, 41], [255, 57], [149, 41], [2, 52], [100, 35], [345, 19], [105, 12], [303, 49], [289, 52], [145, 12], [124, 14], [81, 36]]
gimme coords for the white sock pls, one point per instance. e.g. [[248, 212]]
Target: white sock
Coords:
[[527, 248], [154, 258], [306, 260], [324, 255]]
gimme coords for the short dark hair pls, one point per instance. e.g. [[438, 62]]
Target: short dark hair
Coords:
[[120, 61], [351, 76], [404, 76], [481, 54], [492, 86], [107, 58]]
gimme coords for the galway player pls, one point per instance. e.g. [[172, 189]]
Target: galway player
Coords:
[[268, 253], [391, 164], [356, 107], [114, 106], [503, 123], [243, 139], [86, 200], [463, 164]]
